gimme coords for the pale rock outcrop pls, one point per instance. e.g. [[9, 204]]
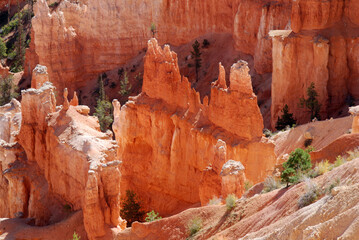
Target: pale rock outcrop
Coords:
[[233, 178], [354, 111], [166, 129], [61, 152], [39, 76]]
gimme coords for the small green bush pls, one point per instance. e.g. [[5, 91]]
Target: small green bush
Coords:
[[231, 201], [323, 167], [152, 216], [75, 236], [194, 226], [311, 195], [339, 161], [298, 163]]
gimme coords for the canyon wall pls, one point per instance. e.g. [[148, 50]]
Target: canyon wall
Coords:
[[57, 161], [323, 49], [173, 146], [81, 39]]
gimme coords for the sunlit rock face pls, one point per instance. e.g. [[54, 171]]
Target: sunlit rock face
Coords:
[[173, 146]]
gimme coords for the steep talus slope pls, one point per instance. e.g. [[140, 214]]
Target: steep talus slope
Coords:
[[273, 215], [167, 129]]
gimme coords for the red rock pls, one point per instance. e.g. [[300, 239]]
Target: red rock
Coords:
[[167, 129]]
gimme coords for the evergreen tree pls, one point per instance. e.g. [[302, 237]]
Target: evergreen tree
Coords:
[[286, 119], [153, 30], [125, 86], [104, 108], [298, 162], [131, 208], [3, 49], [20, 45], [7, 90], [311, 103], [196, 54]]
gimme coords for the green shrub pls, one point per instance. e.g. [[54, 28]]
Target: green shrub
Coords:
[[194, 226], [231, 201], [131, 208], [339, 161], [75, 236], [323, 167], [352, 155], [152, 216], [310, 196], [286, 119], [270, 184], [299, 162]]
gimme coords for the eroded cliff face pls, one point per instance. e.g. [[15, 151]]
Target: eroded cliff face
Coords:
[[81, 39], [322, 49], [173, 146], [59, 157]]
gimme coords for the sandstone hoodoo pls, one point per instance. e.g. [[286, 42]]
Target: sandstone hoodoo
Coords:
[[167, 129], [163, 119]]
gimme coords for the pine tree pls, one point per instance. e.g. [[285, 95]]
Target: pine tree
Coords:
[[196, 54], [3, 49], [153, 30], [131, 208], [20, 44], [104, 108], [311, 103], [125, 86], [286, 119]]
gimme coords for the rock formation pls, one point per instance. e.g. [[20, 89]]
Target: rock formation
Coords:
[[322, 49], [57, 157], [81, 39], [167, 129]]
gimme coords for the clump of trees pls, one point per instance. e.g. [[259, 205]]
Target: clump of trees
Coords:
[[131, 208], [104, 108], [299, 162], [7, 90], [286, 119], [311, 102]]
